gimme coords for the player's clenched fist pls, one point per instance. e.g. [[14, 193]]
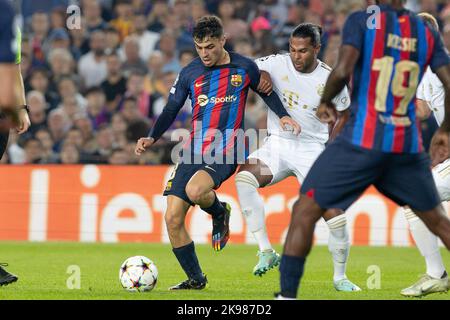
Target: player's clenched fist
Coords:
[[142, 144], [326, 113]]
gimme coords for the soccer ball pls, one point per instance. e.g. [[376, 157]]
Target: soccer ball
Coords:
[[138, 274]]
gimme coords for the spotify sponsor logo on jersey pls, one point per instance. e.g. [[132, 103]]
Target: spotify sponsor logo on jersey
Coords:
[[203, 99]]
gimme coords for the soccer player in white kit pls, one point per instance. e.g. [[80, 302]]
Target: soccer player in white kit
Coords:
[[430, 99], [298, 79]]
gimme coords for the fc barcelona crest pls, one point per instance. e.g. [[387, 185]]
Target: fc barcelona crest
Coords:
[[236, 80]]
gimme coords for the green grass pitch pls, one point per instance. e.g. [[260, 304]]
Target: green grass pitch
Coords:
[[42, 271]]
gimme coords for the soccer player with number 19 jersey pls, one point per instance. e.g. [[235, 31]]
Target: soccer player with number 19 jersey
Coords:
[[381, 143]]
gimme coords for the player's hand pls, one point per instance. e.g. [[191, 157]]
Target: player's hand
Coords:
[[265, 83], [142, 144], [326, 113], [24, 122], [289, 124], [439, 147]]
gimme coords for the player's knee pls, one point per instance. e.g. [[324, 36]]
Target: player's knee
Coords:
[[194, 192], [246, 178], [173, 221]]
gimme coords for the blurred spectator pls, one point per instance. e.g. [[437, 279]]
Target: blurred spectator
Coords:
[[79, 42], [92, 65], [38, 105], [61, 63], [130, 111], [294, 18], [131, 60], [74, 137], [186, 56], [147, 39], [58, 124], [159, 13], [92, 16], [243, 9], [244, 47], [68, 89], [124, 18], [105, 144], [40, 26], [112, 38], [135, 90], [58, 38], [115, 84], [45, 137], [153, 80], [69, 154], [84, 124], [15, 153], [167, 46], [232, 27], [58, 18], [39, 80], [182, 12], [29, 7], [119, 127], [119, 157], [96, 107], [183, 117], [276, 12], [33, 151], [198, 9]]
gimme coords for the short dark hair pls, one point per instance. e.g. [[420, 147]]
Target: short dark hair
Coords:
[[308, 30], [95, 89], [208, 27]]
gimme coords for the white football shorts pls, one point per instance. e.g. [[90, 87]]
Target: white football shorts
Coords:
[[287, 157]]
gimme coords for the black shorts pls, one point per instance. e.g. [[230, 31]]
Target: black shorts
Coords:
[[4, 136], [344, 171], [183, 172]]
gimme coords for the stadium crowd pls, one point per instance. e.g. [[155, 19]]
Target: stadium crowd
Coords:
[[93, 91]]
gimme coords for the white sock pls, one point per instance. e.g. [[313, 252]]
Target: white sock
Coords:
[[339, 245], [252, 206], [427, 243]]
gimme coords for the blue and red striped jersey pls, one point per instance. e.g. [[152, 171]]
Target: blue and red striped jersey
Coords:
[[8, 45], [394, 56], [218, 96]]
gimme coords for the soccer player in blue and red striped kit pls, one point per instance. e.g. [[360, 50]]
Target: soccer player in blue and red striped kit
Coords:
[[381, 143], [217, 83]]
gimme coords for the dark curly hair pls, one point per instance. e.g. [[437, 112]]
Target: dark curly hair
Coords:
[[207, 27]]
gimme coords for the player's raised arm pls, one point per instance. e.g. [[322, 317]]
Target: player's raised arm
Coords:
[[177, 98]]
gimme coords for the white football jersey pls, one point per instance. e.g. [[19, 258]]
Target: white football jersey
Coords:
[[432, 91], [300, 94]]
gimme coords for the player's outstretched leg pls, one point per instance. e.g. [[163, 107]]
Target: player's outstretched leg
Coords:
[[435, 279], [248, 180], [183, 246], [305, 213], [6, 277], [200, 191], [339, 247]]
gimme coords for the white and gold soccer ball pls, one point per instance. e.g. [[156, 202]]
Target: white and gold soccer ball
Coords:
[[138, 274]]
